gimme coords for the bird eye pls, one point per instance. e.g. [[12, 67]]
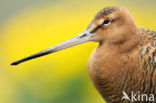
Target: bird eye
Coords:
[[106, 22]]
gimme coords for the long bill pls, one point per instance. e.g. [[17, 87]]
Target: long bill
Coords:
[[85, 36]]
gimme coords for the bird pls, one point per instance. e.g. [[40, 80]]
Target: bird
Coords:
[[123, 63]]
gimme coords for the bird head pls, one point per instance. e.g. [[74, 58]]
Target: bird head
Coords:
[[112, 25]]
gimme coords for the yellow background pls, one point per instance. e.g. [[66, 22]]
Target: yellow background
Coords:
[[60, 77]]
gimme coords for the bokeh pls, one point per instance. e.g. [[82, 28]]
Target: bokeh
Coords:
[[29, 26]]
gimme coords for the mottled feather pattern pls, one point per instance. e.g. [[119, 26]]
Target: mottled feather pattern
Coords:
[[106, 11], [148, 57]]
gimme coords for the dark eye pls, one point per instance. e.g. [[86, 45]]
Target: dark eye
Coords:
[[106, 22]]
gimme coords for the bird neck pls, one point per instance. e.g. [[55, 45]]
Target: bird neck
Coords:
[[123, 45]]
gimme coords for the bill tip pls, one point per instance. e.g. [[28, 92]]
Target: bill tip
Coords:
[[14, 63]]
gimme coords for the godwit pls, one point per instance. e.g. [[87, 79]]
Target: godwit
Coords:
[[125, 59]]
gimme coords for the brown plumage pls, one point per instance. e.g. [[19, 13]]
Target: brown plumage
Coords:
[[113, 69], [125, 59]]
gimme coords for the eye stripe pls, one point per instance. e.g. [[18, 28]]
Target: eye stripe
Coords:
[[103, 23], [96, 28]]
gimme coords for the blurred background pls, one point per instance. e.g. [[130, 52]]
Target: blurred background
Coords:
[[29, 26]]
